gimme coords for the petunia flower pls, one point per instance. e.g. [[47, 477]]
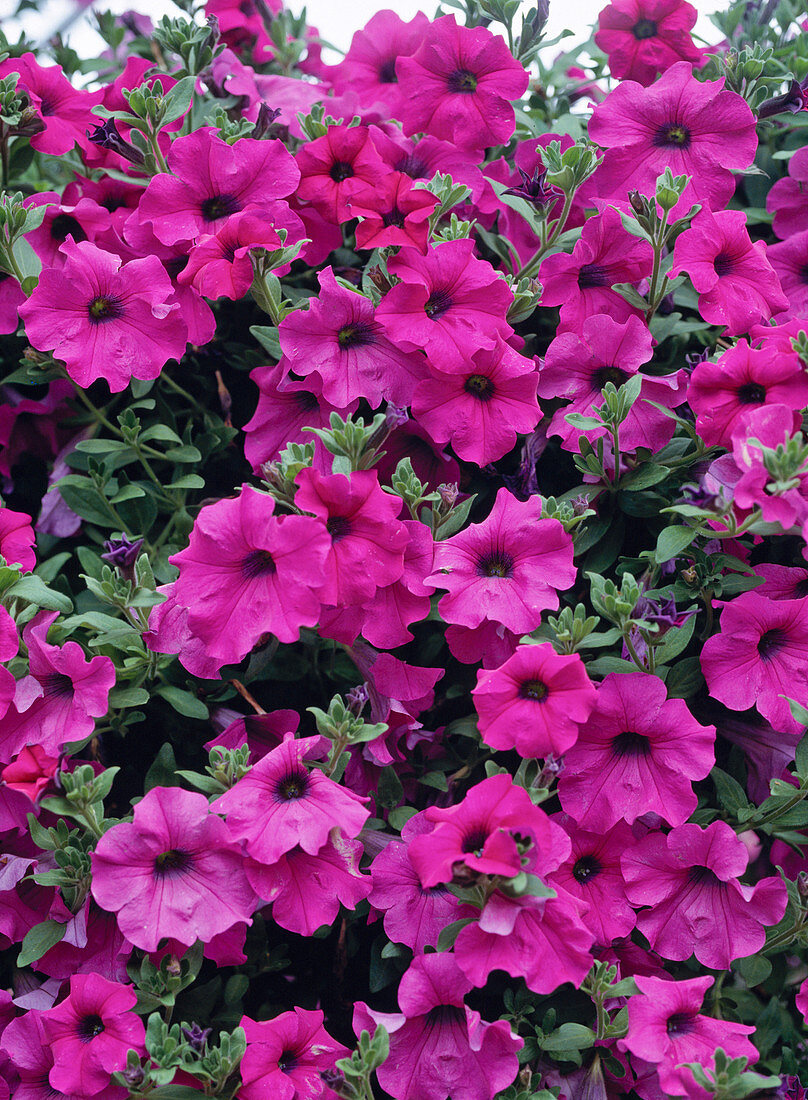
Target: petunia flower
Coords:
[[786, 199], [534, 702], [688, 884], [17, 540], [459, 85], [65, 111], [174, 872], [281, 803], [105, 319], [438, 1046], [334, 167], [369, 67], [638, 752], [219, 265], [393, 212], [286, 1056], [789, 259], [90, 1032], [506, 569], [643, 38]]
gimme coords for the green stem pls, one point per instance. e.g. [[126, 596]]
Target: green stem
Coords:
[[658, 245], [177, 388], [534, 261], [632, 652]]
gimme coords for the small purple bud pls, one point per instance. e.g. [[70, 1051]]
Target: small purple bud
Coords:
[[356, 699], [197, 1037], [448, 494], [107, 137], [122, 554], [395, 416]]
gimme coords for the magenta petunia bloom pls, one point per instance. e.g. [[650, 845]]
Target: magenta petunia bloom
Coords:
[[579, 364], [17, 540], [60, 698], [66, 112], [219, 265], [697, 128], [393, 213], [414, 915], [341, 339], [581, 282], [367, 540], [790, 262], [638, 752], [666, 1028], [488, 833], [438, 1046], [689, 878], [448, 303], [643, 38], [281, 803], [175, 872], [460, 85], [248, 572], [759, 656], [736, 284], [534, 702], [90, 1032], [768, 751], [286, 1056], [768, 426], [721, 394], [481, 410], [334, 167], [105, 319], [506, 569], [211, 180], [87, 220], [592, 873], [306, 890], [786, 199], [368, 69]]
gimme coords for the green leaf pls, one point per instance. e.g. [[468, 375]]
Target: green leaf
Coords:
[[163, 772], [184, 454], [32, 588], [642, 478], [684, 679], [128, 492], [101, 446], [267, 337], [754, 969], [730, 793], [672, 541], [177, 101], [39, 940], [174, 1092], [183, 701], [128, 697], [569, 1037], [449, 934], [676, 640], [48, 570], [801, 758], [188, 481], [86, 501]]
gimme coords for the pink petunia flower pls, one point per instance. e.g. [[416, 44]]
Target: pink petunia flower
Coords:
[[643, 38], [638, 752], [759, 656], [334, 167], [722, 394], [60, 698], [286, 1056], [367, 540], [697, 128], [219, 265], [438, 1046], [90, 1032], [66, 112], [369, 67], [17, 540], [768, 426], [459, 85], [86, 220], [689, 878], [210, 181], [506, 569], [393, 212], [789, 260], [281, 803], [248, 572], [736, 284], [666, 1028], [581, 282], [786, 199], [340, 338], [448, 303], [534, 702], [592, 873], [174, 872], [105, 319], [481, 410]]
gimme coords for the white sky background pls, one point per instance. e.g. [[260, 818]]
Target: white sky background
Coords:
[[336, 20]]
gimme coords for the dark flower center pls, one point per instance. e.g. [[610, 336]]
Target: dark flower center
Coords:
[[387, 73], [802, 274], [258, 563], [358, 335], [496, 565], [338, 527], [292, 786], [586, 868], [608, 374], [445, 1016], [630, 743], [394, 217], [801, 589], [175, 265], [46, 107], [104, 309], [171, 862], [644, 28], [56, 685], [437, 304], [341, 170], [479, 386], [413, 166], [592, 275], [89, 1027], [723, 264], [672, 134], [462, 81], [703, 876], [219, 206], [534, 689], [287, 1061], [751, 394], [474, 842], [771, 642], [681, 1023], [63, 224]]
